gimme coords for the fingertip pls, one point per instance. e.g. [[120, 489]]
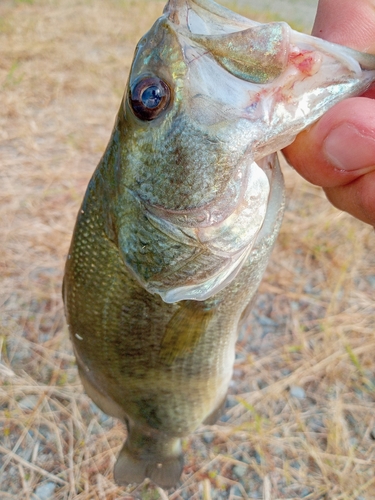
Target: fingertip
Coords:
[[356, 198], [304, 156], [339, 147], [307, 156]]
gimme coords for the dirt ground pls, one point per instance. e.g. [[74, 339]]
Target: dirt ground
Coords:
[[300, 417]]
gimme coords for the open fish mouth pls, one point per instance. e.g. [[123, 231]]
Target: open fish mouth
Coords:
[[254, 87], [277, 79]]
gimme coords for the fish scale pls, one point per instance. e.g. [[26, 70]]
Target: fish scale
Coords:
[[181, 215]]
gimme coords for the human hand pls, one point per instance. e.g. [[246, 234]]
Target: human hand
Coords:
[[338, 151]]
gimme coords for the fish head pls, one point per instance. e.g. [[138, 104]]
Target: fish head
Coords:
[[211, 96], [184, 146], [190, 102]]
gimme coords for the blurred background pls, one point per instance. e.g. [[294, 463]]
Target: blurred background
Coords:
[[298, 13], [300, 417]]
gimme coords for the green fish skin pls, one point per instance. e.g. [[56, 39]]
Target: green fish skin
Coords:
[[181, 214]]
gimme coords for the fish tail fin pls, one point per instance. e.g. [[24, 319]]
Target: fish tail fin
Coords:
[[129, 469], [167, 473], [133, 466]]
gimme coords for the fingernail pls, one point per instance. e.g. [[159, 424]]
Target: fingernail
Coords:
[[349, 149]]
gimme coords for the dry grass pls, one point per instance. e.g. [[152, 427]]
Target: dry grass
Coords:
[[300, 421]]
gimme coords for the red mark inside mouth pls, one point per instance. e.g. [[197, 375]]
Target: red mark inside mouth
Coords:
[[306, 61]]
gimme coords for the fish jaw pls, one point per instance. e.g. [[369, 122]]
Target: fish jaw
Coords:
[[232, 240], [276, 79], [240, 91]]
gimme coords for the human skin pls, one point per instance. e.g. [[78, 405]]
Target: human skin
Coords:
[[338, 151]]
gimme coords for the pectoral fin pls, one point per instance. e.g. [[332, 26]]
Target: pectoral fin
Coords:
[[216, 413], [184, 330]]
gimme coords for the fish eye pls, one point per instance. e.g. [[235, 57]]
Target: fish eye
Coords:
[[149, 97]]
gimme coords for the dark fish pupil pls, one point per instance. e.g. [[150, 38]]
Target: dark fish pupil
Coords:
[[149, 97], [152, 96]]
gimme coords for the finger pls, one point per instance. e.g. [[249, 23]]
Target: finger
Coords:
[[340, 147], [351, 23], [338, 152], [356, 198], [348, 22]]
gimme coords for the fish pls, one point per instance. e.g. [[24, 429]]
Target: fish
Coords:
[[181, 214]]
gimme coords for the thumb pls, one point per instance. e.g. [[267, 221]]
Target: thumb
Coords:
[[339, 149]]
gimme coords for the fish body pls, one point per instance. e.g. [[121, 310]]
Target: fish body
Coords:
[[181, 214]]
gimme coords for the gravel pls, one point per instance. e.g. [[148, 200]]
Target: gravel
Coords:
[[45, 491], [297, 392]]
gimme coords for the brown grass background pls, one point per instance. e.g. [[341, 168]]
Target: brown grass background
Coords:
[[300, 421]]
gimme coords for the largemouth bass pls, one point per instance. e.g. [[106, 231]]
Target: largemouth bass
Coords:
[[181, 214]]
